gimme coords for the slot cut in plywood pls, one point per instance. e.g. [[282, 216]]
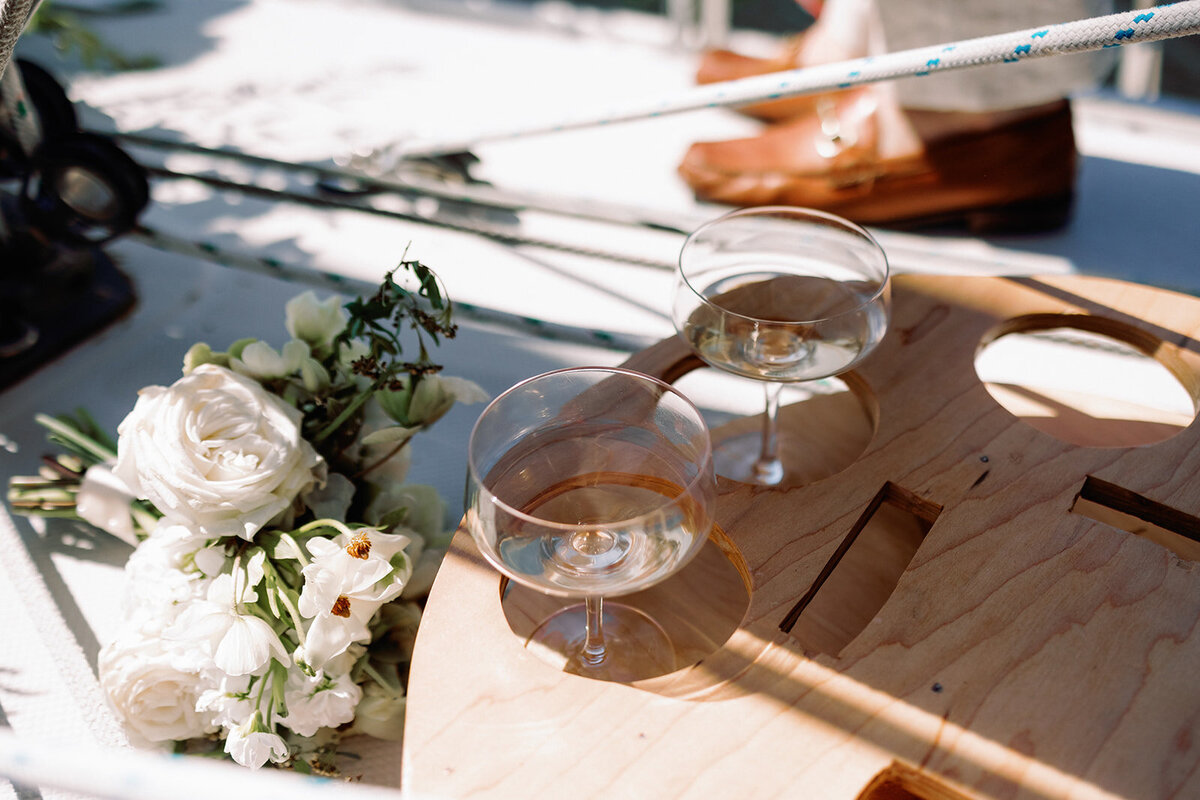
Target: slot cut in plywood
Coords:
[[1128, 511], [902, 782], [863, 571]]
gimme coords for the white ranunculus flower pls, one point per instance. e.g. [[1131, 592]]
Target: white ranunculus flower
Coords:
[[318, 701], [252, 745], [157, 586], [155, 700], [260, 360], [103, 501], [315, 321], [216, 452]]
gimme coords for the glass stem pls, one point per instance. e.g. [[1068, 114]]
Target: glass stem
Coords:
[[594, 652], [769, 469]]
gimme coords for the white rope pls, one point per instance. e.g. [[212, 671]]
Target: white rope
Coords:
[[1146, 25], [16, 112], [14, 16]]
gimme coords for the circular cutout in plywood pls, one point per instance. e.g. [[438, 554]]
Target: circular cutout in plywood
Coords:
[[1083, 387], [824, 426]]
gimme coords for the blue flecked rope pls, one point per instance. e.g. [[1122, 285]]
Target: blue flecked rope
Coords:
[[1096, 33]]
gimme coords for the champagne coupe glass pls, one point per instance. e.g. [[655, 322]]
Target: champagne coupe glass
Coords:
[[780, 295], [590, 483]]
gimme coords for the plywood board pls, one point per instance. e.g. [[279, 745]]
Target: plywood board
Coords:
[[1018, 649]]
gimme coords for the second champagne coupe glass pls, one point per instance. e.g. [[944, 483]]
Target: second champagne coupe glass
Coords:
[[780, 295], [592, 483]]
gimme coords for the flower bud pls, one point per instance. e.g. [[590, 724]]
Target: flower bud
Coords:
[[380, 713], [314, 376], [260, 360], [201, 353], [437, 394], [315, 321], [395, 402]]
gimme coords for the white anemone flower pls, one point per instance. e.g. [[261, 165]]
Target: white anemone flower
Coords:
[[252, 745], [348, 579], [330, 634], [363, 564]]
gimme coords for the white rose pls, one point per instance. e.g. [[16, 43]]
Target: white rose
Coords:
[[155, 700], [216, 452]]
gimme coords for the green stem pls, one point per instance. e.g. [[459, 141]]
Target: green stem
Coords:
[[347, 412], [50, 513], [382, 681], [340, 527], [76, 438], [386, 458], [297, 620], [262, 686], [296, 548], [144, 519]]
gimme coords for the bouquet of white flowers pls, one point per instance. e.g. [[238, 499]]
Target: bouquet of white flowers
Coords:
[[281, 560]]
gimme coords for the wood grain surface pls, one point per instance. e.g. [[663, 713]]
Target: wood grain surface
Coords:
[[972, 608]]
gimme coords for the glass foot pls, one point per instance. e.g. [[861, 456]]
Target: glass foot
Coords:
[[738, 458], [804, 458], [636, 646]]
